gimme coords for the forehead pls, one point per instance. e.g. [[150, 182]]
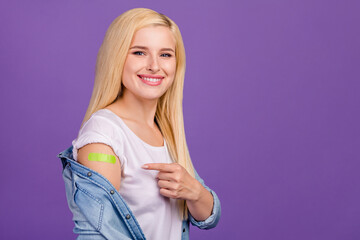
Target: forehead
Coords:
[[154, 36]]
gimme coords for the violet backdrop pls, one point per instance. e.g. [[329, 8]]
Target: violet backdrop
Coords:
[[271, 109]]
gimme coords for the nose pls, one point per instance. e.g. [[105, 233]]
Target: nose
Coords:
[[153, 64]]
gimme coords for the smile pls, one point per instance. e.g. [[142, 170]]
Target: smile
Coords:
[[152, 81]]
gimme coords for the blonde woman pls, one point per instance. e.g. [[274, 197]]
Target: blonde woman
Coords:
[[128, 174]]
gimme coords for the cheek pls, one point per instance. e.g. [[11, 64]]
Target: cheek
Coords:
[[129, 65], [130, 69], [171, 68]]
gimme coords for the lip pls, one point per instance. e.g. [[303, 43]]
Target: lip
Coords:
[[151, 76], [151, 83]]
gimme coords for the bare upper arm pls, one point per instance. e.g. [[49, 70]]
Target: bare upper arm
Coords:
[[111, 171]]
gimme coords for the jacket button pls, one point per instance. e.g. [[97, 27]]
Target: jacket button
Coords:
[[128, 216], [89, 174], [112, 192], [184, 230]]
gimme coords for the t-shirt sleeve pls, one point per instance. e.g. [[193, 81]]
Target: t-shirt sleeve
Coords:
[[99, 129]]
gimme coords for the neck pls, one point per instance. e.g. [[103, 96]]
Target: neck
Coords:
[[137, 109]]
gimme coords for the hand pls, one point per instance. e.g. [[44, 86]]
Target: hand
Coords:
[[175, 182]]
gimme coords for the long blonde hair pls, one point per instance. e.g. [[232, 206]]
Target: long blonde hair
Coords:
[[108, 81]]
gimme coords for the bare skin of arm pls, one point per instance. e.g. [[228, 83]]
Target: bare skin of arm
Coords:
[[111, 171], [201, 207]]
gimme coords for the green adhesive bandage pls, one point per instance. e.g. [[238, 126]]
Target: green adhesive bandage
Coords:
[[100, 157]]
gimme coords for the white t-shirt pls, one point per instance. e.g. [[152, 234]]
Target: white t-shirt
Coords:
[[157, 215]]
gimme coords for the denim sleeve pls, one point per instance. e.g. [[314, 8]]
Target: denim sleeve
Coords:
[[214, 218]]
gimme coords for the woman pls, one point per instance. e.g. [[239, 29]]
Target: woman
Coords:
[[133, 137]]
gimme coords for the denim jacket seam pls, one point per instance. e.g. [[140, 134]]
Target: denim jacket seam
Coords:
[[127, 223], [97, 200]]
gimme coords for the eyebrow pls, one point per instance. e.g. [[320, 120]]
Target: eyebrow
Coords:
[[163, 49]]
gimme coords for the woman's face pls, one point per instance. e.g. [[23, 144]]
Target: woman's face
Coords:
[[150, 65]]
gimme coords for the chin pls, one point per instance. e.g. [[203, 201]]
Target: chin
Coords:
[[151, 97]]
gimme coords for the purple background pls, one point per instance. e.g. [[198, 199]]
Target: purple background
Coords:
[[271, 108]]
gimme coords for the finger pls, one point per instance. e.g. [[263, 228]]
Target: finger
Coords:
[[164, 176], [164, 167], [164, 184], [168, 193]]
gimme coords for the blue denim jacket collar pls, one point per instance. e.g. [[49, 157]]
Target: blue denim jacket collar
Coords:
[[101, 190]]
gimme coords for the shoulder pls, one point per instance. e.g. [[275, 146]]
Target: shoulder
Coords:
[[99, 120], [96, 129], [104, 123], [100, 128]]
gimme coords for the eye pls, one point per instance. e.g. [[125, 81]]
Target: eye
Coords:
[[136, 53], [167, 54]]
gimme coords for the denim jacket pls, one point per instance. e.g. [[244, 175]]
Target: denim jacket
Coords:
[[100, 212]]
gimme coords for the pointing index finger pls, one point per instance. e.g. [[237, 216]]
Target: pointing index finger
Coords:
[[163, 167]]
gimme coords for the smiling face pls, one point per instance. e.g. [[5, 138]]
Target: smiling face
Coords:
[[150, 65]]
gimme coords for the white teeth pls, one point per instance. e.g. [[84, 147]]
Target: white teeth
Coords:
[[151, 79]]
